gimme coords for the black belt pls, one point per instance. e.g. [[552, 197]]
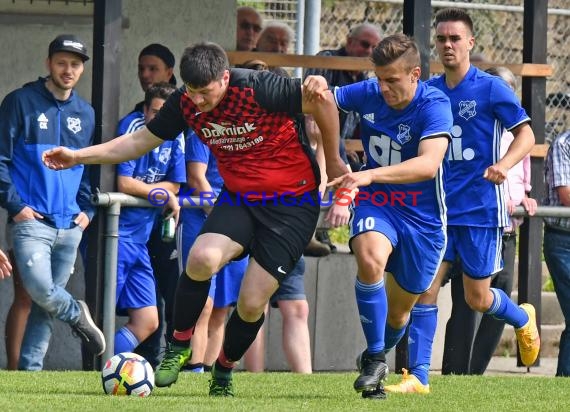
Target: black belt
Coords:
[[556, 229], [509, 235], [51, 223]]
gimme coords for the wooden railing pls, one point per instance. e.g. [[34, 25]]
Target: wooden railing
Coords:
[[365, 64]]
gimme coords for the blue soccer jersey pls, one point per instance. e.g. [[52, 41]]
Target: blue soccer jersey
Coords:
[[196, 151], [163, 163], [391, 136], [483, 106]]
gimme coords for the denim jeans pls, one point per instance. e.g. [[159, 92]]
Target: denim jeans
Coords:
[[557, 256], [45, 257]]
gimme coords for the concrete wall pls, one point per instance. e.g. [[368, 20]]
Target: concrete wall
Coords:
[[176, 24], [336, 335], [334, 325], [26, 30]]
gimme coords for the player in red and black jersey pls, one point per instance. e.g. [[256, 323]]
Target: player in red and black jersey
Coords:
[[269, 207]]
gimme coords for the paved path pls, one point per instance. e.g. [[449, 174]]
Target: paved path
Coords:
[[502, 365]]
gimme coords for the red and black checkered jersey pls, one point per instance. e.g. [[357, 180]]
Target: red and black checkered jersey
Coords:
[[252, 133]]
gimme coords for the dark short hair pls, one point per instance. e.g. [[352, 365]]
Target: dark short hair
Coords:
[[160, 51], [393, 47], [203, 63], [163, 53], [453, 14], [160, 90]]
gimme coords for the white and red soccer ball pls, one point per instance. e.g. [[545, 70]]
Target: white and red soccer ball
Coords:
[[127, 374]]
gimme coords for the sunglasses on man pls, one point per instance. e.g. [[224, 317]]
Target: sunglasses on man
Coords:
[[366, 45], [245, 25]]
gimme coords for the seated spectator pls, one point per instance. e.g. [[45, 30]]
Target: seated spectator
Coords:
[[249, 25], [276, 37]]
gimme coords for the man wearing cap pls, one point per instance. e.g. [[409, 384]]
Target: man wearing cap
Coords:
[[48, 210]]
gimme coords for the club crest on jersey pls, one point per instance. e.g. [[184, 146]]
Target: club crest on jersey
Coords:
[[74, 124], [164, 155], [467, 109], [403, 134]]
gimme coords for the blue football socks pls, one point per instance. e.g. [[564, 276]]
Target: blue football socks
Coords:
[[420, 341], [392, 336], [125, 340], [373, 308], [503, 308]]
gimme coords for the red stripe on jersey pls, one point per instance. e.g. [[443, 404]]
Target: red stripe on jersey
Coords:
[[257, 151]]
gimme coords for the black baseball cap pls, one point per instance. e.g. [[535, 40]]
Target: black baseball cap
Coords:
[[68, 43]]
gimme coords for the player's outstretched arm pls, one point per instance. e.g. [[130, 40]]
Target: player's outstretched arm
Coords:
[[127, 147]]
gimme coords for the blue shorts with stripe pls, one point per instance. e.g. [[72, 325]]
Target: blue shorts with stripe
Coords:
[[479, 249], [417, 252], [136, 287]]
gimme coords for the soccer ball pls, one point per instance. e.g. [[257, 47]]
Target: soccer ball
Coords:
[[127, 374]]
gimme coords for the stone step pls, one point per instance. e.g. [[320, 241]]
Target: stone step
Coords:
[[552, 325], [545, 274], [551, 314], [549, 341]]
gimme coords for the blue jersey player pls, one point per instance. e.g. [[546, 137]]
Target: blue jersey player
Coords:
[[482, 106], [399, 218], [161, 168]]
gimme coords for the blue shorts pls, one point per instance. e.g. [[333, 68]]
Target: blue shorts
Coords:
[[417, 254], [225, 285], [136, 287], [228, 282], [293, 286], [479, 249]]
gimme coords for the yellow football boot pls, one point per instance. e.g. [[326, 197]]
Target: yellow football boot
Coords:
[[409, 384], [527, 337]]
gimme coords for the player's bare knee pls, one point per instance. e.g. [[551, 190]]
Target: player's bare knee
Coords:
[[203, 263], [476, 302], [429, 297], [370, 269], [249, 310], [298, 309], [397, 320]]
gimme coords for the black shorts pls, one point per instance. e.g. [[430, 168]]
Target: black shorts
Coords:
[[274, 232]]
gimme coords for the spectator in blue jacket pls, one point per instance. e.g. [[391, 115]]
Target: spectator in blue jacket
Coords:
[[48, 210]]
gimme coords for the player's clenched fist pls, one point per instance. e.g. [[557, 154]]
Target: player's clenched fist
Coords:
[[315, 87], [59, 158]]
